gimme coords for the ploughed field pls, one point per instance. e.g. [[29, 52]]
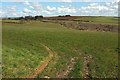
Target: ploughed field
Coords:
[[49, 50]]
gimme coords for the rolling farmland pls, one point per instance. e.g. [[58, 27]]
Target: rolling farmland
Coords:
[[27, 49]]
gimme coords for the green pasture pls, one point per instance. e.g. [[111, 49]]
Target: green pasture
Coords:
[[100, 20], [23, 52]]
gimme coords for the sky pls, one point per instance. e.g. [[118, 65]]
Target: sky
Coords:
[[18, 8]]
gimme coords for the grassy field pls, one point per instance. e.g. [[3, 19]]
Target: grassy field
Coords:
[[100, 20], [23, 52], [12, 21]]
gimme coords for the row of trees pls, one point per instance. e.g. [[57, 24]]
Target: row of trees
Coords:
[[28, 18], [33, 17], [64, 16]]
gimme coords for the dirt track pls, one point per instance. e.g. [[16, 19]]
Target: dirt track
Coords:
[[64, 73], [43, 65]]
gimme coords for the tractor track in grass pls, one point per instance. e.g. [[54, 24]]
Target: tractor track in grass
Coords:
[[64, 73], [86, 63], [43, 65]]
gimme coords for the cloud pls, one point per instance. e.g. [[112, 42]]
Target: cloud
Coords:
[[0, 12], [66, 10], [60, 0], [32, 5], [10, 11], [73, 0], [86, 0], [46, 12], [66, 0], [27, 10], [32, 8], [116, 0], [36, 8], [110, 8], [51, 8], [26, 3]]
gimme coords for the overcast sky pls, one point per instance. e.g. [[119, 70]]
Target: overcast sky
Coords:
[[16, 8]]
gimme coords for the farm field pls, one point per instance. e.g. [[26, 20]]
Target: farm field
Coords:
[[75, 53], [100, 20], [90, 19]]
